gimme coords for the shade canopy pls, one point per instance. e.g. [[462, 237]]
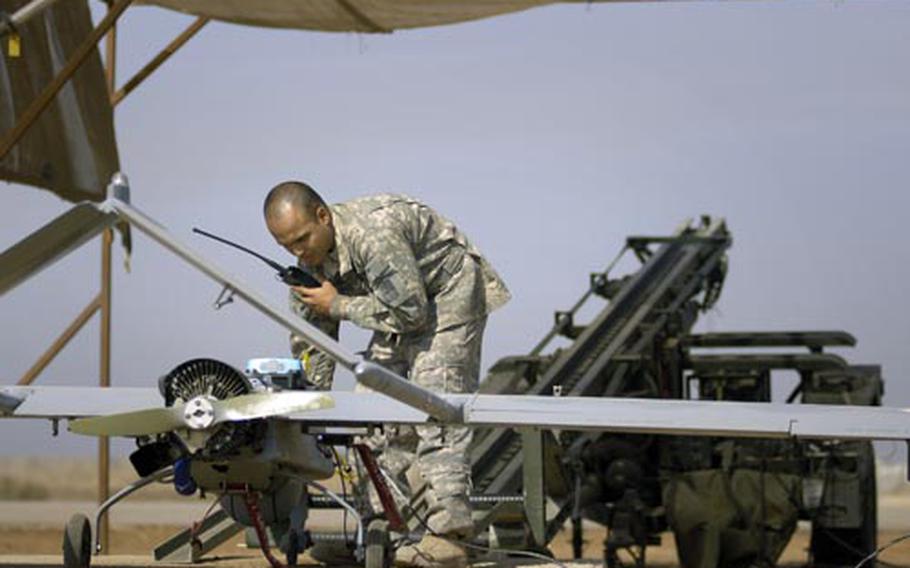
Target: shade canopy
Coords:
[[367, 16]]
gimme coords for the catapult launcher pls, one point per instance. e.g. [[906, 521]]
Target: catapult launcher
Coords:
[[727, 501]]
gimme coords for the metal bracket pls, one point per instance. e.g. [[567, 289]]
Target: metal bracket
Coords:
[[224, 298], [564, 323], [599, 282]]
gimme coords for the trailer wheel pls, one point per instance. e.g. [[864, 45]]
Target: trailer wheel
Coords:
[[377, 545], [77, 542]]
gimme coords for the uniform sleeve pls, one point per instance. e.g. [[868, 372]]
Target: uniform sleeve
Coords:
[[396, 301], [319, 367]]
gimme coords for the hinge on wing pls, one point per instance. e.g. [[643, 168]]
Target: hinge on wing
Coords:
[[792, 430], [224, 298]]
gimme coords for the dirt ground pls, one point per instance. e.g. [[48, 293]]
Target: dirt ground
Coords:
[[37, 495], [132, 545]]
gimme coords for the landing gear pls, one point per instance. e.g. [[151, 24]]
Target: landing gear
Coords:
[[77, 542], [378, 548]]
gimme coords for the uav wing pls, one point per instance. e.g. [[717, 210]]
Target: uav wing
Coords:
[[647, 416]]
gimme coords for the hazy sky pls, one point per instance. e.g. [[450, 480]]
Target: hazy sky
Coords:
[[548, 136]]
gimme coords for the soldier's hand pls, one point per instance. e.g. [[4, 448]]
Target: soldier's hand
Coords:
[[318, 299]]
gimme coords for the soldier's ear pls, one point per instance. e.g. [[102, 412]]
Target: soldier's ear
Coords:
[[323, 215]]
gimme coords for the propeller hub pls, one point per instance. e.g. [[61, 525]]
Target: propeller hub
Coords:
[[199, 413]]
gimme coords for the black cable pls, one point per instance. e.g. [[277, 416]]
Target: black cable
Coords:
[[881, 549], [465, 544], [858, 552], [344, 492]]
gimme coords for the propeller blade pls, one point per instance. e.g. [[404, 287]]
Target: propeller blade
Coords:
[[138, 423], [200, 414], [269, 405]]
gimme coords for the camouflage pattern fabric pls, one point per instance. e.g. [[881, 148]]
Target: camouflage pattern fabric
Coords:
[[407, 273], [731, 518], [399, 268], [319, 367], [447, 361]]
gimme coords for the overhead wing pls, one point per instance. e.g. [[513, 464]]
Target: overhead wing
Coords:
[[648, 416], [51, 242]]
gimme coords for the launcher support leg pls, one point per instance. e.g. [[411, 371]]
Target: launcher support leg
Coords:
[[533, 484]]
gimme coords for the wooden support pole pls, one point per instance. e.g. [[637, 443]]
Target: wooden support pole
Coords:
[[158, 60], [61, 341], [110, 58], [107, 239], [104, 489], [41, 102]]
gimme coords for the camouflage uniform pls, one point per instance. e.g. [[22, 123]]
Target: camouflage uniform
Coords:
[[412, 277]]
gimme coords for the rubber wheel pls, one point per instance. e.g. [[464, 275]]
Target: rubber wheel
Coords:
[[77, 542], [377, 545], [293, 548]]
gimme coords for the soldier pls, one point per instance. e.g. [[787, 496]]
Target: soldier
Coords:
[[391, 264]]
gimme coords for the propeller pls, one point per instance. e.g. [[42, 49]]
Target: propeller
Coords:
[[201, 413]]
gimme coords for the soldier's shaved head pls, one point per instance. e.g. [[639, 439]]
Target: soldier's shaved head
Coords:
[[288, 196], [300, 221]]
